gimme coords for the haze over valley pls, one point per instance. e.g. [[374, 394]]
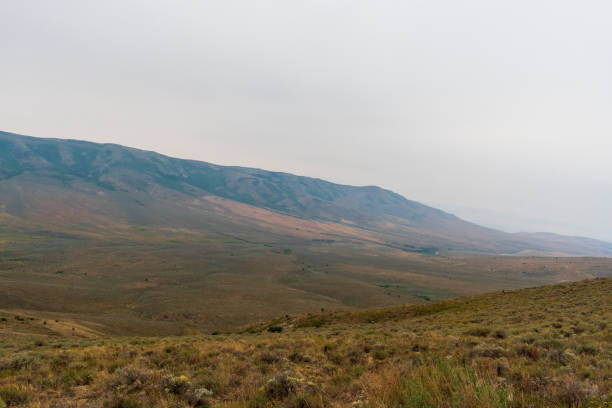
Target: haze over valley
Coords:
[[320, 204]]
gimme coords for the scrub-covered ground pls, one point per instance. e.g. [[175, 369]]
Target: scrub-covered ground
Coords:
[[549, 346]]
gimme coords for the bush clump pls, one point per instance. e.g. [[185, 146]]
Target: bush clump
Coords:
[[527, 350], [178, 385], [479, 332], [285, 384], [20, 362], [500, 334], [314, 321], [269, 357], [78, 377], [183, 388], [491, 352], [122, 402], [275, 329], [561, 357], [14, 396], [130, 376]]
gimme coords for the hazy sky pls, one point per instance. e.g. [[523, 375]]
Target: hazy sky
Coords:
[[498, 111]]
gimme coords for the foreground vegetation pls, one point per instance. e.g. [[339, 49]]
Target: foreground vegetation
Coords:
[[549, 346]]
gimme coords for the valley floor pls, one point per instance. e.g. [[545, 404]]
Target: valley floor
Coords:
[[549, 346], [146, 288]]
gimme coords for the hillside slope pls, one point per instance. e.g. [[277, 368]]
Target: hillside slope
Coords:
[[548, 346], [104, 189]]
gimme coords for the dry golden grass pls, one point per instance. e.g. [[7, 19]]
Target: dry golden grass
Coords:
[[541, 347]]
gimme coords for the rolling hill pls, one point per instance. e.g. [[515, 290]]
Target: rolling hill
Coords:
[[547, 346]]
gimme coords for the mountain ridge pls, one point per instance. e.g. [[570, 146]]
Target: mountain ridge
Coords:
[[120, 175]]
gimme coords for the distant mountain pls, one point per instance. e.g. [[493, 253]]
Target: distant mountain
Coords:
[[89, 189]]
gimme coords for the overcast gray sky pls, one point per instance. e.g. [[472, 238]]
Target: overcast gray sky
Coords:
[[498, 111]]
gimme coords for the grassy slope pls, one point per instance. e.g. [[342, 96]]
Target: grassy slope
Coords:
[[220, 283], [548, 346]]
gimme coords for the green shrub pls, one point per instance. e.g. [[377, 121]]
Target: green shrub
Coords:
[[130, 376], [314, 321], [500, 334], [78, 377], [269, 357], [275, 329], [489, 351], [259, 400], [177, 385], [122, 402], [20, 362], [380, 354], [588, 348], [13, 396], [210, 381], [304, 401], [282, 386], [429, 309], [479, 332], [532, 352]]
